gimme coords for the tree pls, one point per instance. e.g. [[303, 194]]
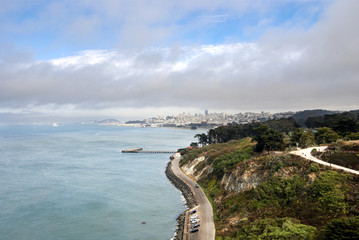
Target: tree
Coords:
[[202, 139], [326, 135], [283, 125], [267, 139], [346, 126], [296, 135], [353, 136], [307, 139]]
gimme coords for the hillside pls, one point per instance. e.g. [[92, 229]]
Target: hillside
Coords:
[[302, 116], [273, 196]]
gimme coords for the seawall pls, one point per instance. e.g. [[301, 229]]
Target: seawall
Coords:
[[187, 194]]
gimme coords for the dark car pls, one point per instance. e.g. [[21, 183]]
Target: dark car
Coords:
[[194, 211], [194, 230], [195, 226]]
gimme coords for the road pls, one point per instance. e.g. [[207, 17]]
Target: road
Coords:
[[306, 153], [204, 208]]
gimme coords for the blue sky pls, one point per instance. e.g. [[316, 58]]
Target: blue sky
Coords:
[[51, 29], [135, 59]]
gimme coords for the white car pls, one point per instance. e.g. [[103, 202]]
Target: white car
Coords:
[[195, 221], [194, 216]]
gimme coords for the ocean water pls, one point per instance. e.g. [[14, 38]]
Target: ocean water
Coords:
[[73, 182]]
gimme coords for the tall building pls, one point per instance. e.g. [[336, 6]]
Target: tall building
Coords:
[[206, 112]]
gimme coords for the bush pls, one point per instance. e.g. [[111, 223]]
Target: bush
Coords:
[[226, 162], [314, 167], [326, 135], [342, 228], [279, 190], [283, 228], [353, 136], [329, 193]]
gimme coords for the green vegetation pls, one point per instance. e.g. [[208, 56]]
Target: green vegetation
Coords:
[[342, 153], [277, 192], [216, 150], [353, 136], [329, 128], [342, 228], [267, 139], [293, 198], [329, 194], [343, 123], [280, 228], [326, 135], [257, 194], [225, 162], [302, 138]]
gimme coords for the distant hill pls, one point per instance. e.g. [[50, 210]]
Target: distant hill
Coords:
[[108, 121], [302, 116], [356, 112], [136, 122]]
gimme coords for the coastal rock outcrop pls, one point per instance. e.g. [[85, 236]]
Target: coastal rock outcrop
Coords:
[[246, 175]]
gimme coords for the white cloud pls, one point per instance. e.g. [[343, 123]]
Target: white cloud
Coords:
[[285, 70]]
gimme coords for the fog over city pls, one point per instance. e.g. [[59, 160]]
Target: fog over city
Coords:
[[136, 59]]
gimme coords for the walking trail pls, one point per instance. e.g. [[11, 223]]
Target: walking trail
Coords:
[[306, 153]]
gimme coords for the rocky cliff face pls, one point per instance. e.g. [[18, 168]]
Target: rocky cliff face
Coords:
[[249, 174]]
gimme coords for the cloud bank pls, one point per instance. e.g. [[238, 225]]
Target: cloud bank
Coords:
[[286, 69]]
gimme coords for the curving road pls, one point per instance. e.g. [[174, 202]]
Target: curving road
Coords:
[[306, 153], [204, 208]]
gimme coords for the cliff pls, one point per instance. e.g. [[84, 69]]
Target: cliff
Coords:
[[271, 196]]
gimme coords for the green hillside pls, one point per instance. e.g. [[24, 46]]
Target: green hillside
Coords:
[[274, 196]]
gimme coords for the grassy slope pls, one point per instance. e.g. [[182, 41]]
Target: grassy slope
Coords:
[[295, 199]]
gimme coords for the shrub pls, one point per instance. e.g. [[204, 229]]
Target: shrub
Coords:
[[314, 167], [279, 190], [326, 135], [353, 136], [342, 228], [226, 162], [329, 193], [282, 228]]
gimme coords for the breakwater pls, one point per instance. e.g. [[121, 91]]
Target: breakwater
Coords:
[[187, 194]]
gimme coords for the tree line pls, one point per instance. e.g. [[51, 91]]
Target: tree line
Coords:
[[279, 134]]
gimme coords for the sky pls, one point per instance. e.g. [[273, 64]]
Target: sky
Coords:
[[91, 59]]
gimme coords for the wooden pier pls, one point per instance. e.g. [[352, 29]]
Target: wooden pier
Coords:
[[140, 150], [132, 150]]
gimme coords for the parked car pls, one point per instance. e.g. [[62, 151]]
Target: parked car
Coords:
[[194, 230], [195, 225], [194, 211], [194, 216], [195, 221], [197, 186]]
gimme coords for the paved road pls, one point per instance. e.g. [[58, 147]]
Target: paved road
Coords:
[[306, 153], [204, 208]]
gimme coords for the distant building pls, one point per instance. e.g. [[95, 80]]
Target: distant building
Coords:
[[206, 112]]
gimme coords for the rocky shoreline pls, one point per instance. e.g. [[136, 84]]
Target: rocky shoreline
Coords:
[[187, 194]]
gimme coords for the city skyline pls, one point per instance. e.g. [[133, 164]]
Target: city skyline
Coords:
[[128, 60]]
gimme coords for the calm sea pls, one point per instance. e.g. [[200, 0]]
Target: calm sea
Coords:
[[73, 182]]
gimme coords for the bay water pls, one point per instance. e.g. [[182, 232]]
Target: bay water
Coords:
[[72, 182]]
